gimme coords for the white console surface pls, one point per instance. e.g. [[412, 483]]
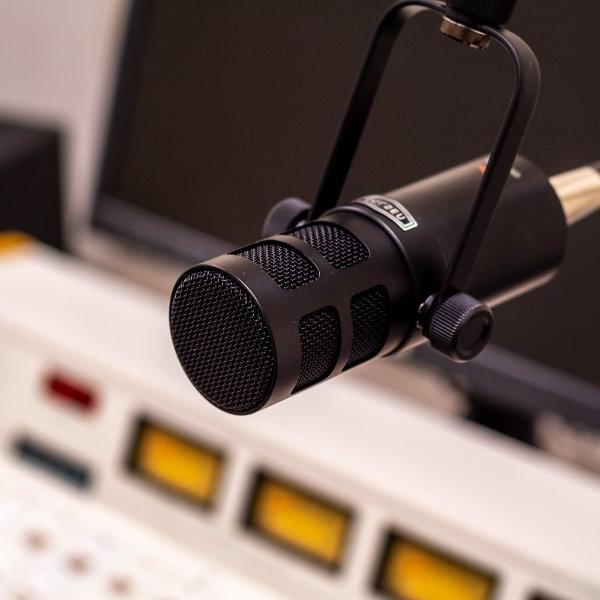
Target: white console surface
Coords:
[[530, 521]]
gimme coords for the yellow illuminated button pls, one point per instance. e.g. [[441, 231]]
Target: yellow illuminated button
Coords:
[[413, 572], [176, 463], [300, 520]]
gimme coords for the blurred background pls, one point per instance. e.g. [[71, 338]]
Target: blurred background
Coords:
[[152, 135]]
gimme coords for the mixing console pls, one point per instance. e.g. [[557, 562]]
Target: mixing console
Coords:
[[117, 481]]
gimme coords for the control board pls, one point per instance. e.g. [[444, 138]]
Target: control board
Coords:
[[346, 491]]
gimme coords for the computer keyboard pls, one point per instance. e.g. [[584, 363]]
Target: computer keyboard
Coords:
[[59, 546]]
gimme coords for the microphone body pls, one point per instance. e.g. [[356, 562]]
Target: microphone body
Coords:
[[265, 322]]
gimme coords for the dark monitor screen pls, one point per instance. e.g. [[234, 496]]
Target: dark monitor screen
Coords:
[[223, 108]]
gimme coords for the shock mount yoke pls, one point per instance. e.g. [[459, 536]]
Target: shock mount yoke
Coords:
[[455, 323]]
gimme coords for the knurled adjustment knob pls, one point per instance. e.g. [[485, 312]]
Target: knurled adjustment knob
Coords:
[[460, 327], [489, 12], [286, 214]]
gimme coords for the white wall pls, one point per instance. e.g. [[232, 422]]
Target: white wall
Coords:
[[56, 65]]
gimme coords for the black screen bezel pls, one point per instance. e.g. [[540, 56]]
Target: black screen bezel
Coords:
[[149, 232]]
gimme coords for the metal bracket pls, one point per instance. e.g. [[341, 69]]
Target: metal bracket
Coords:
[[512, 131]]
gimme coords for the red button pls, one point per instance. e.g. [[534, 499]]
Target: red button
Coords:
[[67, 391]]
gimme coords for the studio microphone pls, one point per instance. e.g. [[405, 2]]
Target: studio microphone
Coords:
[[263, 323]]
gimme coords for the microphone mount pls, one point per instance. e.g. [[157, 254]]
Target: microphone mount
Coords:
[[455, 323]]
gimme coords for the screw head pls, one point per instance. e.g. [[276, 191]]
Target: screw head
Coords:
[[464, 34], [461, 327]]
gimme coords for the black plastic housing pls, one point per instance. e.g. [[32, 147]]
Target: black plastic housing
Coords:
[[31, 194], [526, 240]]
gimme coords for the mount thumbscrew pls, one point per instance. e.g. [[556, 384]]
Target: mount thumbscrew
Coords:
[[460, 327]]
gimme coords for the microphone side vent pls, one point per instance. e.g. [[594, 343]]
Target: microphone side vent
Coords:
[[288, 267], [370, 311], [338, 246], [320, 338]]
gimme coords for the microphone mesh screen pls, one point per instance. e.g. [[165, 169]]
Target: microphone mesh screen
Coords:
[[338, 246], [289, 268], [222, 341], [320, 339], [370, 324]]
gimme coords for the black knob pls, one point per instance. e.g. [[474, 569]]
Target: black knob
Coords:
[[489, 12], [286, 214], [460, 327]]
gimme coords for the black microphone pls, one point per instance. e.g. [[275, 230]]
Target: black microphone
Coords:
[[269, 320]]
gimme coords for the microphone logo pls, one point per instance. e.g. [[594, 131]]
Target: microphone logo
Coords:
[[392, 209]]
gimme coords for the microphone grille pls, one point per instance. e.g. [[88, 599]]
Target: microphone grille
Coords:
[[222, 341], [370, 311], [289, 268], [338, 246], [320, 339]]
